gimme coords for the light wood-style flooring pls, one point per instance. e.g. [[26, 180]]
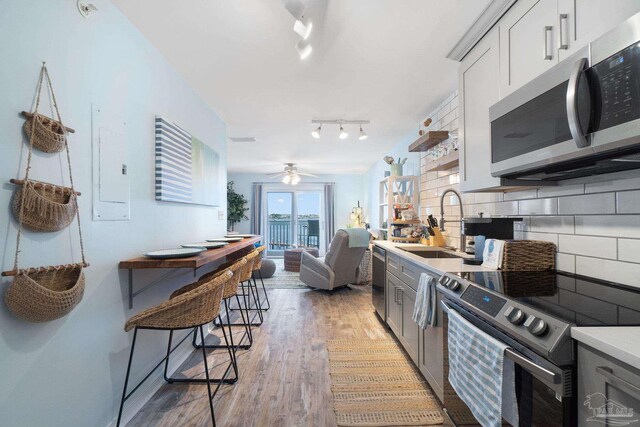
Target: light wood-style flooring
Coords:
[[284, 377]]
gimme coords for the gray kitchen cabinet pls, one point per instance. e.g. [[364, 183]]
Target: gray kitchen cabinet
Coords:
[[608, 390], [409, 336], [394, 304], [431, 353], [479, 88], [582, 21], [528, 42]]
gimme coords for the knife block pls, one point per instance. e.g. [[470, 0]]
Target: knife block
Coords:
[[437, 239]]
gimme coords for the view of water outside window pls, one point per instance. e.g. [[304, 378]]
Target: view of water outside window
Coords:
[[284, 232]]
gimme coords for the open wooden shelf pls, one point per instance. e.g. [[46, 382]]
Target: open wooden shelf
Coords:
[[404, 239], [408, 222], [428, 140], [443, 163]]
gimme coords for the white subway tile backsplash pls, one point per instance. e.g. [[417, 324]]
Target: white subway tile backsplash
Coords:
[[603, 203], [601, 247], [561, 190], [615, 271], [566, 262], [553, 224], [615, 182], [546, 237], [520, 195], [609, 225], [628, 202], [629, 250], [538, 207]]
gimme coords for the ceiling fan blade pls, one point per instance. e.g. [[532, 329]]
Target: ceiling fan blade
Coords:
[[277, 174], [307, 174]]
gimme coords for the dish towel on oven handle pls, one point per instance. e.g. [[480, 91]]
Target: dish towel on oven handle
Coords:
[[424, 309], [480, 374]]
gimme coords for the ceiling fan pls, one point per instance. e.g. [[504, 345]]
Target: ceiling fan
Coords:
[[290, 175]]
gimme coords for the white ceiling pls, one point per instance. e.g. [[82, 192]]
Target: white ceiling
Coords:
[[378, 60]]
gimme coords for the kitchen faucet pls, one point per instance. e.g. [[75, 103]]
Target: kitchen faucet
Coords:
[[463, 244]]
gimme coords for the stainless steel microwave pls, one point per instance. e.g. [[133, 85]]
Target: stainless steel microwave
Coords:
[[580, 118]]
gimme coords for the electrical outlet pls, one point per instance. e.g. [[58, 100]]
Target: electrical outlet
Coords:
[[220, 215]]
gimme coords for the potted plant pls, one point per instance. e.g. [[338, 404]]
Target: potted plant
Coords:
[[235, 206]]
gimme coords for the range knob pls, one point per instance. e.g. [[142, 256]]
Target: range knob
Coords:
[[537, 327], [514, 315], [444, 280], [453, 285]]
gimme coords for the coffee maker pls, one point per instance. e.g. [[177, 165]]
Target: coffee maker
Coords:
[[477, 229]]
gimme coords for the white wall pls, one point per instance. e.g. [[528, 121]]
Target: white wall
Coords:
[[348, 190], [70, 372]]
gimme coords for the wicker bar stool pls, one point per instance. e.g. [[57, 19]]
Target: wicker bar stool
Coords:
[[230, 292], [257, 265], [190, 310], [250, 290]]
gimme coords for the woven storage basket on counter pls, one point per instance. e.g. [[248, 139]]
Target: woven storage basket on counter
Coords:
[[529, 255]]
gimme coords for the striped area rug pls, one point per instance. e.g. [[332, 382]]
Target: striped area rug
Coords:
[[374, 384]]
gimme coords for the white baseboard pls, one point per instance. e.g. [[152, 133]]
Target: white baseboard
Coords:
[[146, 391]]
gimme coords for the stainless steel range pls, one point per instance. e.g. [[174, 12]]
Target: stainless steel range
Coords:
[[533, 313]]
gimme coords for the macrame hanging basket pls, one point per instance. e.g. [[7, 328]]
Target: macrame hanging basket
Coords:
[[47, 207], [45, 294], [45, 133]]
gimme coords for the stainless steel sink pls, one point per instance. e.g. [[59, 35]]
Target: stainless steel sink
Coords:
[[432, 253]]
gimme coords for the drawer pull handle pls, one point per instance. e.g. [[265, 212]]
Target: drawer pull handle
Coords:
[[546, 50], [626, 386]]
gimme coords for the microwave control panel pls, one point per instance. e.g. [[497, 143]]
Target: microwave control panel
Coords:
[[618, 79]]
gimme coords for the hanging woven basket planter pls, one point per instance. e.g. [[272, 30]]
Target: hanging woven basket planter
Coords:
[[42, 295], [45, 133], [47, 207]]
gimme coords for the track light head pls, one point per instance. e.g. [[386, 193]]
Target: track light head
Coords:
[[316, 132], [343, 133], [304, 49], [303, 29], [362, 135]]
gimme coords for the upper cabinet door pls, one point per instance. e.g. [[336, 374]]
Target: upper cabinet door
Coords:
[[582, 21], [479, 88], [528, 42]]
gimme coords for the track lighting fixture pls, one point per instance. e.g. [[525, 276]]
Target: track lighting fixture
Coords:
[[303, 29], [316, 132], [362, 135], [304, 49], [343, 133]]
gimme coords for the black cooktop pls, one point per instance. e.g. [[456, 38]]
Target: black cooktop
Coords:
[[579, 300]]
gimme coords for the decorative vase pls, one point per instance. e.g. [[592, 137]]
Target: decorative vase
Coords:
[[396, 169]]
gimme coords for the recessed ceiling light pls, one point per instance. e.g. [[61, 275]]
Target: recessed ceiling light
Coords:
[[316, 132], [304, 49], [363, 135], [343, 133], [303, 29]]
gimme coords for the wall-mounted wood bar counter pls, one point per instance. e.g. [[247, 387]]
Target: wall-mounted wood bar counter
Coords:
[[232, 250]]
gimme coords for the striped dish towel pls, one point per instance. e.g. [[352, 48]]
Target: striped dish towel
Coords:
[[424, 308], [479, 374]]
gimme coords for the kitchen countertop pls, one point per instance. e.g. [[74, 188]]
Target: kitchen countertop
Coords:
[[436, 265], [619, 342]]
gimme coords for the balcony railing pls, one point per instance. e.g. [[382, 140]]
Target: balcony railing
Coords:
[[281, 234]]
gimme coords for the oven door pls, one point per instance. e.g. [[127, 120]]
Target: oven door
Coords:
[[540, 385]]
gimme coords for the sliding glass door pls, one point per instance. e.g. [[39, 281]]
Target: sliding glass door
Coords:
[[294, 218]]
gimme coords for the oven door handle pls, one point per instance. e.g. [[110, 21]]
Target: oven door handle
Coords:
[[572, 104], [532, 367]]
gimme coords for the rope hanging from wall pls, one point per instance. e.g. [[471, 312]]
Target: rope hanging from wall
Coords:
[[43, 294]]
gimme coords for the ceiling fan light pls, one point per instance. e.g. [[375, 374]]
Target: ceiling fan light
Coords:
[[286, 179], [363, 135], [316, 132], [343, 133], [303, 29], [304, 49], [295, 179]]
